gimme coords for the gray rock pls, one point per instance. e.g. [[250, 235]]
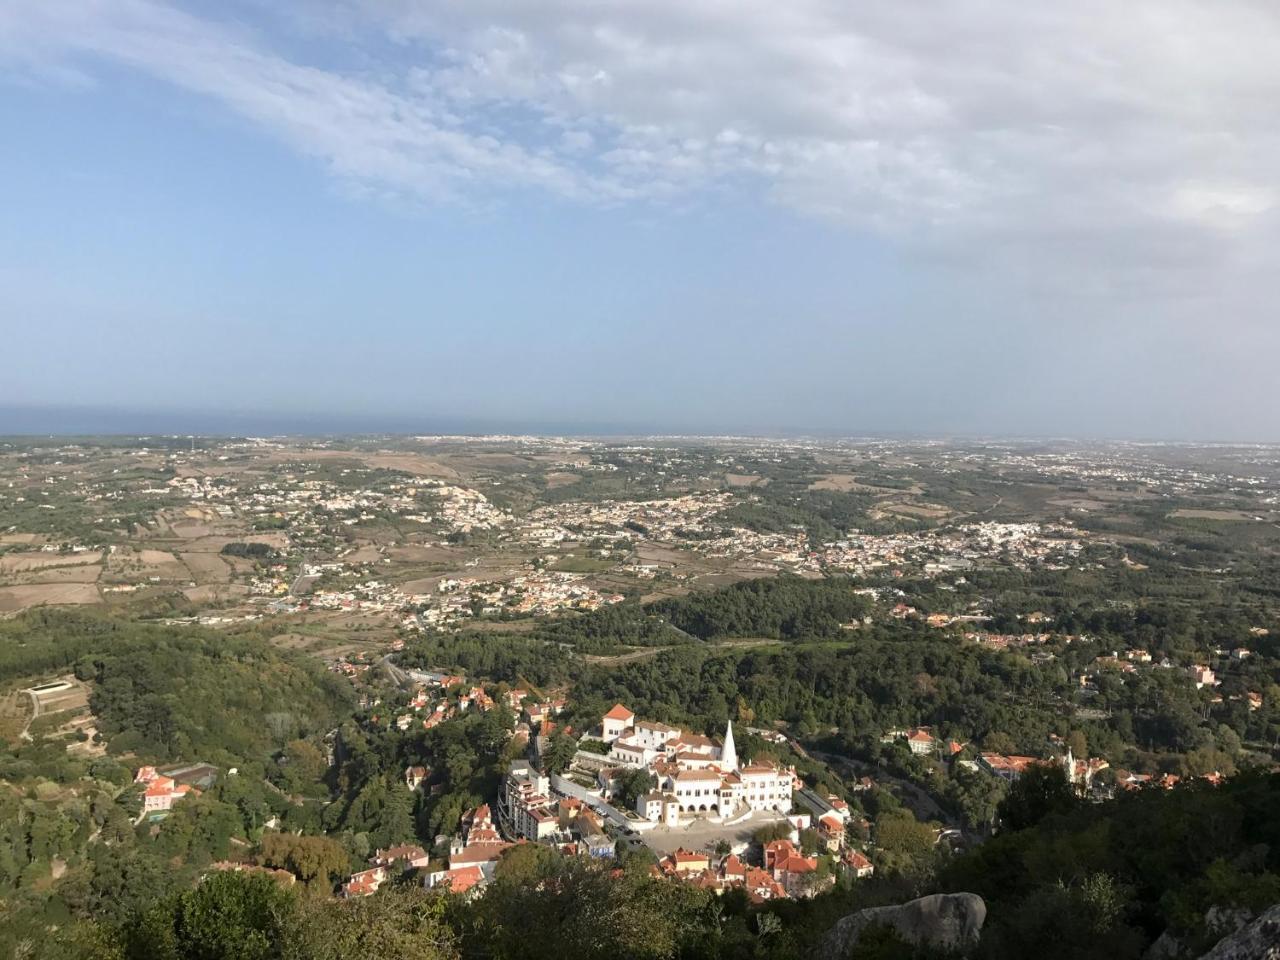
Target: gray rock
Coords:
[[1166, 947], [947, 920], [1260, 940], [1224, 921]]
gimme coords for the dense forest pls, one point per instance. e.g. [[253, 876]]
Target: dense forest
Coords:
[[823, 679], [162, 693]]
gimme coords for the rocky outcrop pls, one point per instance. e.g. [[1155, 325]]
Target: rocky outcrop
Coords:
[[1259, 940], [948, 920]]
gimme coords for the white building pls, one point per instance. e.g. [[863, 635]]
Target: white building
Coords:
[[695, 777], [527, 802], [615, 722]]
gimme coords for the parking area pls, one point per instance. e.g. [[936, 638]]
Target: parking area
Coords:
[[702, 834]]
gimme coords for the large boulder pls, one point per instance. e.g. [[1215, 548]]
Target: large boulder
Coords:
[[1259, 940], [948, 920]]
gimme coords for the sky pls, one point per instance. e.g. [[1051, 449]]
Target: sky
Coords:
[[985, 217]]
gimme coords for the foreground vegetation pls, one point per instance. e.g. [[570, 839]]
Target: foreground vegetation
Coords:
[[1080, 881]]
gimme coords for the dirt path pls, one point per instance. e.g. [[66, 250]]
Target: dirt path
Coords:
[[35, 712]]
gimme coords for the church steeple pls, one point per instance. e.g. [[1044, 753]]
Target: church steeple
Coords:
[[728, 753]]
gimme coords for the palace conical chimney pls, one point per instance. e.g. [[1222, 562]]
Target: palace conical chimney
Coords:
[[728, 753]]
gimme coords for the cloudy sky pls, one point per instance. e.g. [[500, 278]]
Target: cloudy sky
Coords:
[[988, 216]]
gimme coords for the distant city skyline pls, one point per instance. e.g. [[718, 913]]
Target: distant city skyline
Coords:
[[1004, 219]]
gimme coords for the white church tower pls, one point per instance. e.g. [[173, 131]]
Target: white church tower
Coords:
[[728, 753]]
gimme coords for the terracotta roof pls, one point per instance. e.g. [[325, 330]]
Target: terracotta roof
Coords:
[[619, 712], [685, 776], [462, 879], [857, 860], [832, 822], [796, 864], [483, 852]]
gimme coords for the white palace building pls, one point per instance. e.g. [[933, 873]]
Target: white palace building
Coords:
[[693, 774]]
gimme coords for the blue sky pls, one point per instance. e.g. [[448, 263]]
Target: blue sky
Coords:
[[679, 216]]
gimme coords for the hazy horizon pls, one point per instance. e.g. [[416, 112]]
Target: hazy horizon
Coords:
[[1009, 219], [55, 421]]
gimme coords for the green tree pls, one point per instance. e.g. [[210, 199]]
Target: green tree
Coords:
[[560, 753], [228, 916], [397, 923], [316, 861], [1042, 789]]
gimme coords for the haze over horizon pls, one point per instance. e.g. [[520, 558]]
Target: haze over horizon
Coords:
[[997, 219]]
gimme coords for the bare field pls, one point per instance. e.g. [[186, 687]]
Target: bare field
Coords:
[[672, 556], [1224, 515], [930, 511], [129, 564], [89, 573], [420, 586], [40, 560], [414, 463], [412, 553], [214, 544], [493, 461], [555, 480], [365, 554], [191, 529], [215, 592], [206, 567], [744, 480], [14, 599], [839, 482], [298, 641]]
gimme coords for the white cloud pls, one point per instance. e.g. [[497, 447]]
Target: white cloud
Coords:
[[1105, 134]]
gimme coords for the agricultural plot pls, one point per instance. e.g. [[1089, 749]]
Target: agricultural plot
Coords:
[[15, 599]]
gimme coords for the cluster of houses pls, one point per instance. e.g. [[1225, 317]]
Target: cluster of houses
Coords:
[[1081, 772], [437, 697], [537, 592], [617, 519], [922, 743], [786, 871], [473, 856], [1009, 767], [474, 853], [951, 549], [384, 865]]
